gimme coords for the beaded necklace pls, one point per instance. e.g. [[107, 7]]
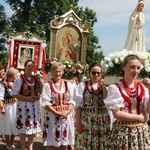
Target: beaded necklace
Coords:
[[132, 92]]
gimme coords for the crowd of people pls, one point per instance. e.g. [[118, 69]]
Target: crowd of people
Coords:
[[80, 115]]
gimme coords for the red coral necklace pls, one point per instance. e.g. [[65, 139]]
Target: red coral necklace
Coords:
[[132, 92]]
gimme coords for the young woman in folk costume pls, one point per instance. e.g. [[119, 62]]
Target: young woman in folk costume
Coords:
[[128, 100], [27, 89], [57, 97], [8, 109], [92, 119]]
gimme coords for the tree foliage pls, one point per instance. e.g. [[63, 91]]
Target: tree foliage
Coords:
[[38, 13], [4, 58], [3, 24]]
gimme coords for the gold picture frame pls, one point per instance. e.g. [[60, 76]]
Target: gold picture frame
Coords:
[[26, 52]]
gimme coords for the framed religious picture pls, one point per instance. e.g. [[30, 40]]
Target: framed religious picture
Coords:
[[69, 35], [25, 52], [69, 44]]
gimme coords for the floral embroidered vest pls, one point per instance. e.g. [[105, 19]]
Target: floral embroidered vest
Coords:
[[28, 90], [59, 98], [90, 99]]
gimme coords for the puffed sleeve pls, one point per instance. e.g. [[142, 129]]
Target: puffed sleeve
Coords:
[[2, 92], [46, 95], [114, 99], [145, 101], [71, 90], [78, 95], [16, 86]]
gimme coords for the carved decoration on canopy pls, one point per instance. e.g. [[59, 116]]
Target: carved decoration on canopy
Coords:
[[24, 46], [69, 37]]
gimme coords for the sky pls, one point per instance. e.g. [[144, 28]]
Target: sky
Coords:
[[112, 25]]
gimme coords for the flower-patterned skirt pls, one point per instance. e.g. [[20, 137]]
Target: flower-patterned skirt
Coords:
[[129, 138], [95, 127], [58, 131], [28, 117]]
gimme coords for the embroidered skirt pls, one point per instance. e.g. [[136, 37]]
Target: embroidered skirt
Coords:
[[129, 136], [28, 117], [58, 131], [95, 126]]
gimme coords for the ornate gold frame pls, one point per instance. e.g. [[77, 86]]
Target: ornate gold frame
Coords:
[[72, 20]]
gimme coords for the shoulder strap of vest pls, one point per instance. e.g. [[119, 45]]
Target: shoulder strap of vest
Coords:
[[66, 86], [50, 84], [85, 86], [36, 81], [22, 78], [65, 82]]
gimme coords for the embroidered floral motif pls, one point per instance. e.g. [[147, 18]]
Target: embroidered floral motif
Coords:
[[27, 118], [19, 117], [64, 130], [57, 133], [45, 131]]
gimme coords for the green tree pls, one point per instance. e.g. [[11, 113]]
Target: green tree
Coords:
[[38, 13], [3, 58], [93, 47], [3, 24], [3, 37]]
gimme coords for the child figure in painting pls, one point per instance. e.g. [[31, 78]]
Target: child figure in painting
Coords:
[[63, 50], [26, 56]]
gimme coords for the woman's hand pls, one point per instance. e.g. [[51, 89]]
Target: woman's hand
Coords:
[[3, 111], [31, 99], [62, 114], [142, 118], [66, 112], [79, 127], [38, 78], [58, 113], [146, 82]]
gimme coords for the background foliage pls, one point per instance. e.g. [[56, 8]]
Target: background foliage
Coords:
[[38, 13]]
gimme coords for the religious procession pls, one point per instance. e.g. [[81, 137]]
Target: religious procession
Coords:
[[61, 102]]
